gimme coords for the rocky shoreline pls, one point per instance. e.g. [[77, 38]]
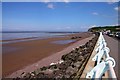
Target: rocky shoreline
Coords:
[[70, 65]]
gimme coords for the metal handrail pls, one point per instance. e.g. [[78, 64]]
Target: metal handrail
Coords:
[[102, 66], [112, 72]]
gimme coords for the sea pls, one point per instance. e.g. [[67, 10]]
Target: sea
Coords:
[[11, 37]]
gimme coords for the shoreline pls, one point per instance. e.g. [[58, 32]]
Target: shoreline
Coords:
[[18, 59], [7, 41], [19, 39], [39, 37]]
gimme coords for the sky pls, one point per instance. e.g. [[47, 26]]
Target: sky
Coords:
[[57, 16]]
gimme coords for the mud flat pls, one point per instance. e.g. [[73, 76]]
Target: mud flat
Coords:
[[70, 65], [17, 56]]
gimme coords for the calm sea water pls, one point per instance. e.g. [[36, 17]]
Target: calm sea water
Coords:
[[12, 36], [19, 38]]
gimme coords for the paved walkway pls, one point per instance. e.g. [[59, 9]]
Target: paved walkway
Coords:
[[113, 45]]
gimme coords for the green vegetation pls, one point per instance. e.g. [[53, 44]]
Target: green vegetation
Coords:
[[105, 28]]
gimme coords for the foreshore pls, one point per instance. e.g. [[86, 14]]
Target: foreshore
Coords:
[[29, 52]]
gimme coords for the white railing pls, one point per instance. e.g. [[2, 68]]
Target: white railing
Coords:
[[104, 61]]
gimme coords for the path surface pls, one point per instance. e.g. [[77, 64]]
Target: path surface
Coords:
[[53, 58], [113, 45]]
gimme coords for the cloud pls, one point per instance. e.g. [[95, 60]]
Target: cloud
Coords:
[[51, 6], [68, 27], [66, 1], [95, 13], [62, 28], [93, 26], [112, 1], [106, 16], [46, 1], [60, 0], [117, 8], [117, 24]]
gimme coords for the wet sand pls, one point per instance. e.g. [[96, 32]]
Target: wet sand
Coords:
[[29, 52]]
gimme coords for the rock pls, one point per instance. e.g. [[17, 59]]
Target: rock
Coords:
[[63, 66], [78, 64], [48, 71], [73, 75], [43, 68], [70, 70], [41, 75], [37, 71], [22, 75], [28, 75], [64, 57], [52, 67], [61, 61]]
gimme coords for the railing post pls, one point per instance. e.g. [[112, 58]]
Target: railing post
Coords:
[[105, 65]]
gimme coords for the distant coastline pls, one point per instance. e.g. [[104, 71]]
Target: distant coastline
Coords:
[[17, 36], [40, 32]]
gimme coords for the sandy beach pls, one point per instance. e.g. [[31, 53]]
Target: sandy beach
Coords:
[[20, 54]]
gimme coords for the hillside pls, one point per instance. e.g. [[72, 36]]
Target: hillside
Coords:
[[105, 28]]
